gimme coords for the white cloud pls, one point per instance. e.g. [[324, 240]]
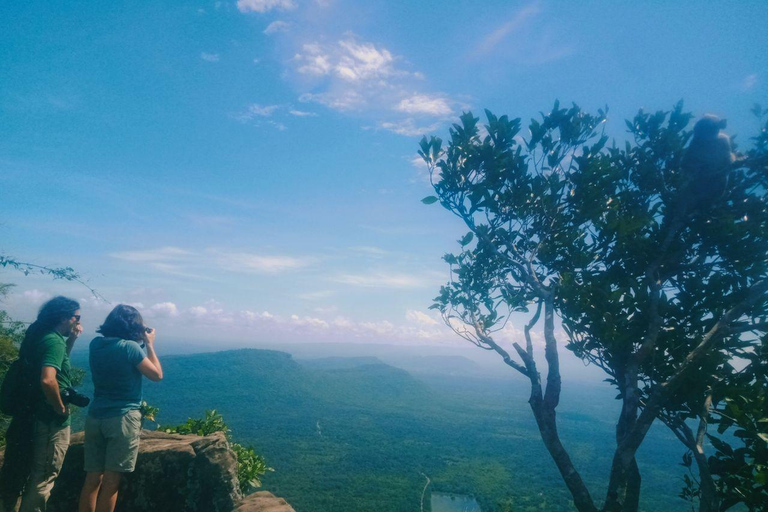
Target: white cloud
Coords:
[[264, 5], [381, 280], [36, 297], [264, 315], [526, 37], [509, 27], [277, 26], [370, 250], [341, 100], [210, 57], [419, 317], [425, 104], [259, 263], [363, 62], [409, 127], [163, 310], [301, 113], [152, 255], [309, 321], [750, 82], [256, 110], [318, 295], [348, 60], [362, 77], [197, 311]]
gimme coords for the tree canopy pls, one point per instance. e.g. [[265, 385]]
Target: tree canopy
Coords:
[[669, 301]]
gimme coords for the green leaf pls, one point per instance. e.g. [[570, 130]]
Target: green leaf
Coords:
[[429, 200]]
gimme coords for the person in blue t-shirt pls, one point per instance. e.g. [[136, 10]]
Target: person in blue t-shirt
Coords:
[[119, 358]]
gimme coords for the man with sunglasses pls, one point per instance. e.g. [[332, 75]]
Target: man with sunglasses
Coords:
[[32, 462]]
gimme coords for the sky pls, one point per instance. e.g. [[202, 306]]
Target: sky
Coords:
[[246, 171]]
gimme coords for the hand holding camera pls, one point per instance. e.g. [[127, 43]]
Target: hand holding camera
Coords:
[[71, 396], [149, 335]]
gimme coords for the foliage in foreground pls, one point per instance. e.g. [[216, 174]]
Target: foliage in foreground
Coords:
[[250, 466]]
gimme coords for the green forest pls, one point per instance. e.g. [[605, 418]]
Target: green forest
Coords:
[[354, 434]]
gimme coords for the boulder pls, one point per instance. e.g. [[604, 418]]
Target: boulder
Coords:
[[263, 501], [174, 473]]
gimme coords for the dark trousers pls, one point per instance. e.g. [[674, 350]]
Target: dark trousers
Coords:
[[17, 463]]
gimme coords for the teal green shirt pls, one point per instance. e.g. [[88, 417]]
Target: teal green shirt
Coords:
[[51, 351], [116, 380]]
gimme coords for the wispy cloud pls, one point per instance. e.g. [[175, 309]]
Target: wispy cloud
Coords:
[[509, 27], [318, 295], [258, 263], [176, 261], [525, 37], [382, 280], [210, 57], [302, 113], [264, 5], [749, 82], [256, 110], [277, 26], [409, 127], [153, 255]]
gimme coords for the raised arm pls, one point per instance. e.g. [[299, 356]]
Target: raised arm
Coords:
[[150, 366]]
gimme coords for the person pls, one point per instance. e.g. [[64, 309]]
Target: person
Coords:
[[37, 441], [118, 358]]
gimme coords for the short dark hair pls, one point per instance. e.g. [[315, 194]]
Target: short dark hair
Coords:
[[123, 322]]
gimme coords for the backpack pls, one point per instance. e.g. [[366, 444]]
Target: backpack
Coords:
[[17, 392]]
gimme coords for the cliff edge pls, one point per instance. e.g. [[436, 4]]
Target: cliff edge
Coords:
[[174, 473]]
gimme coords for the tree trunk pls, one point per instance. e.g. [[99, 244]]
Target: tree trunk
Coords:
[[545, 419]]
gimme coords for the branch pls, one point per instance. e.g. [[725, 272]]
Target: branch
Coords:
[[528, 327], [659, 395], [742, 328], [495, 346], [65, 273]]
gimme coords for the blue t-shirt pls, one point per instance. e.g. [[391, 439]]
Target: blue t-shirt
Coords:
[[116, 380]]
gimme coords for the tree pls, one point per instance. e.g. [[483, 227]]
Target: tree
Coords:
[[660, 298], [11, 335]]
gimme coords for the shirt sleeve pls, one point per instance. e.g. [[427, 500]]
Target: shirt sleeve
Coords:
[[52, 352], [134, 352]]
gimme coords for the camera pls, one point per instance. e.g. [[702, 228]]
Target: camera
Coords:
[[70, 396]]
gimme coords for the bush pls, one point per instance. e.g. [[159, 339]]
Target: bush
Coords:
[[250, 466]]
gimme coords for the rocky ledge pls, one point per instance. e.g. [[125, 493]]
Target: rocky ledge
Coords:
[[174, 473]]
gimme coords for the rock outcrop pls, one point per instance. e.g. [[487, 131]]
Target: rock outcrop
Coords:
[[174, 473]]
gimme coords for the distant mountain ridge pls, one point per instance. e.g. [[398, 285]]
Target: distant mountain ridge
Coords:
[[358, 434]]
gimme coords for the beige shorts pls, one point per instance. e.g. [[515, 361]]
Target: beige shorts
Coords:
[[112, 444]]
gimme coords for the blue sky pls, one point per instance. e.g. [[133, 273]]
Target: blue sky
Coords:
[[247, 170]]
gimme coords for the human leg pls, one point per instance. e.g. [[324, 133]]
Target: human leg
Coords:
[[17, 463], [94, 456], [50, 445], [121, 435], [90, 491], [110, 483]]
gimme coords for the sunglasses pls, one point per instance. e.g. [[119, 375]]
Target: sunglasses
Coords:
[[77, 317]]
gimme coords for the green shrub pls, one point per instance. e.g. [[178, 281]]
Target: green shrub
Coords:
[[250, 466]]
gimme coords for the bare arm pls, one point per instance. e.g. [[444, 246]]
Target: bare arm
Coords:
[[78, 330], [150, 366], [51, 389]]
